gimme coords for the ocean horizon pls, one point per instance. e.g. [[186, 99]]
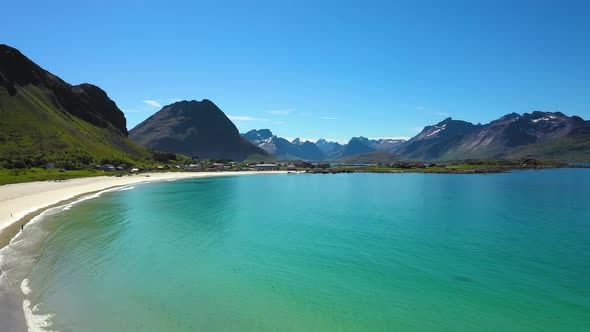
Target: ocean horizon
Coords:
[[294, 252]]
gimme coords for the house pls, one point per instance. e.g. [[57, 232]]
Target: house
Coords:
[[50, 165], [218, 166], [193, 168], [266, 167], [108, 168], [134, 170], [303, 164], [291, 167]]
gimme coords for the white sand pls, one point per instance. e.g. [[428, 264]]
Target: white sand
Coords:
[[18, 200]]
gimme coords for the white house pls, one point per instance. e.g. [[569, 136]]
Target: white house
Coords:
[[266, 167]]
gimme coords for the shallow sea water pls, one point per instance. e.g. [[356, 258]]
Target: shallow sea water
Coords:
[[346, 252]]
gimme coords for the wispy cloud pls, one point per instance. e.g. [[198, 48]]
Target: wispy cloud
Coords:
[[441, 113], [244, 118], [280, 122], [330, 118], [281, 111], [152, 103]]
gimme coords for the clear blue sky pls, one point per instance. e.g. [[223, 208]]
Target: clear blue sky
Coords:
[[313, 69]]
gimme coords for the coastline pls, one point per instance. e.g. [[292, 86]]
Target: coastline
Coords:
[[22, 202]]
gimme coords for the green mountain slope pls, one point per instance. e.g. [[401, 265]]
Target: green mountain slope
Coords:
[[44, 119]]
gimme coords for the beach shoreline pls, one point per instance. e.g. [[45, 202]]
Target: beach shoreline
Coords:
[[22, 202]]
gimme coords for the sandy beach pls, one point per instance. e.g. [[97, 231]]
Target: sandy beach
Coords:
[[21, 202]]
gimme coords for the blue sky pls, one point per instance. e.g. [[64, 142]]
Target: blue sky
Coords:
[[312, 69]]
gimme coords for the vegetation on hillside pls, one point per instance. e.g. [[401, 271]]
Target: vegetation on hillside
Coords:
[[34, 131]]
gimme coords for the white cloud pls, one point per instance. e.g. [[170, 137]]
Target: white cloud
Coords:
[[330, 118], [280, 122], [281, 112], [441, 113], [244, 118], [152, 103]]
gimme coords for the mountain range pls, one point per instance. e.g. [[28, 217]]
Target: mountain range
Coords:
[[45, 119], [319, 150], [551, 135], [530, 135]]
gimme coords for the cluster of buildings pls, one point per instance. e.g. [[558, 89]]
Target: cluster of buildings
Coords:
[[197, 167], [408, 165]]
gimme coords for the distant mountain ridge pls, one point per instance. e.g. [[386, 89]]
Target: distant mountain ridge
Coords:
[[321, 149], [194, 128], [505, 137], [282, 148], [530, 135]]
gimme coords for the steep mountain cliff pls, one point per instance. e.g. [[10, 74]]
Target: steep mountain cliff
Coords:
[[44, 119]]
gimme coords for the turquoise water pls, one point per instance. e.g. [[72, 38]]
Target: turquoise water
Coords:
[[347, 252]]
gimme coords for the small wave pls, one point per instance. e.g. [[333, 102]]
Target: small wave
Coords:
[[37, 322], [127, 188], [24, 287]]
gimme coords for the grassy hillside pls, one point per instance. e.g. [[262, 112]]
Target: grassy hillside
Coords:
[[34, 130]]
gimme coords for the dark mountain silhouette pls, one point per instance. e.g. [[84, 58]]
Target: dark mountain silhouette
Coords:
[[356, 145], [194, 128], [330, 149]]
